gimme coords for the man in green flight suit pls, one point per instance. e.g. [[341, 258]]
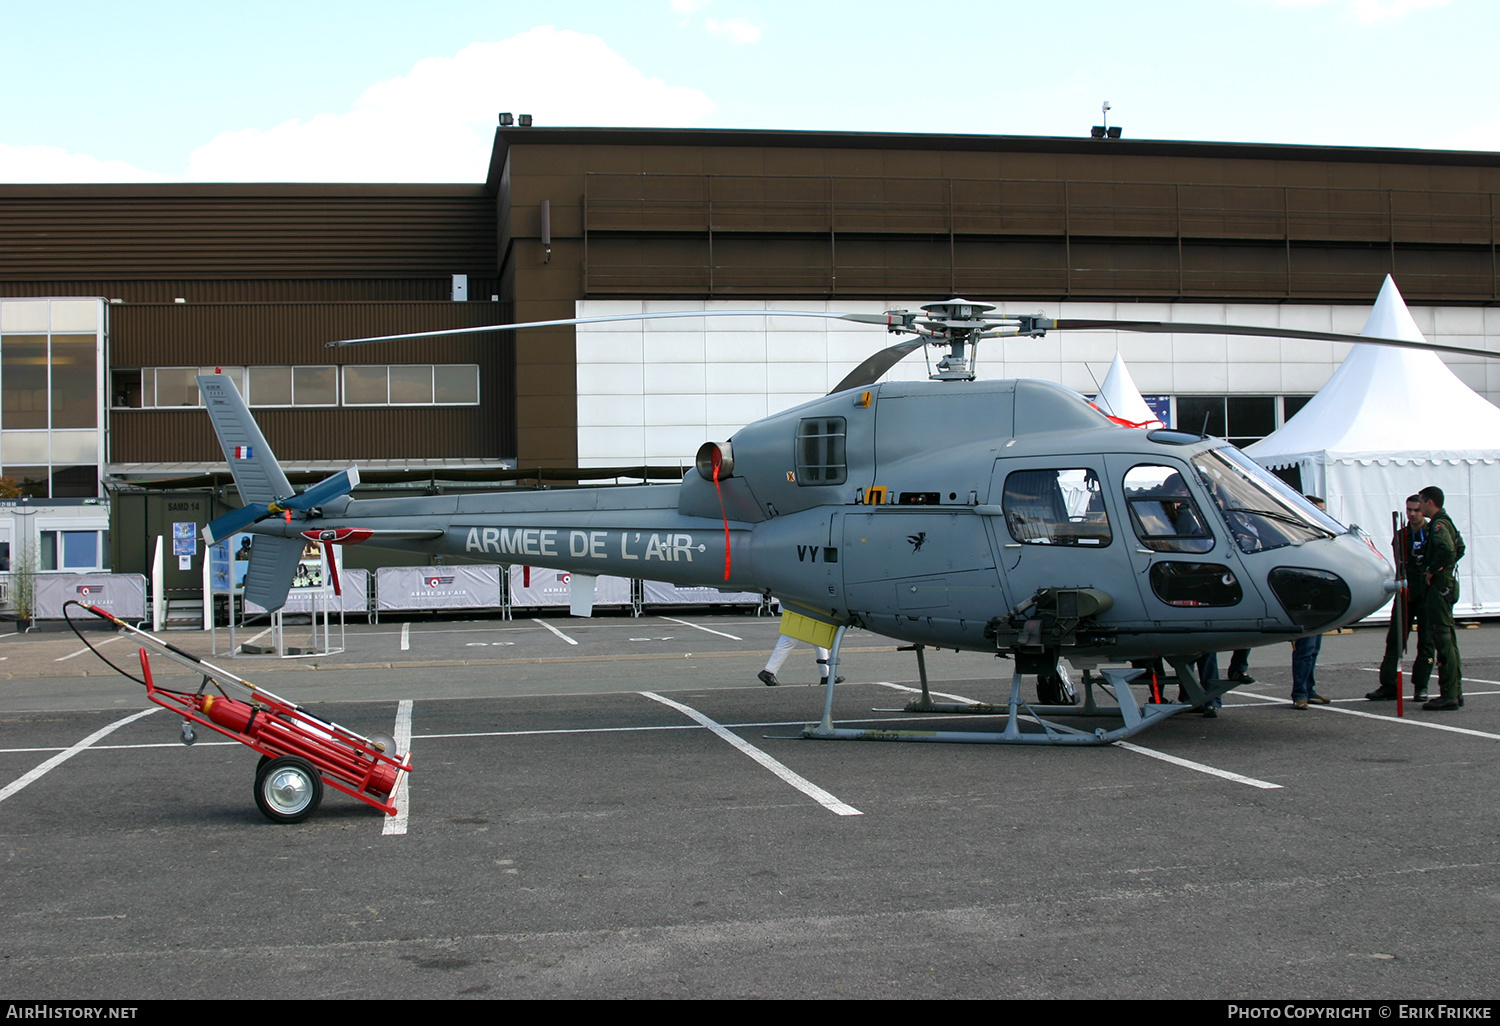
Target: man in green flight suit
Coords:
[[1445, 547]]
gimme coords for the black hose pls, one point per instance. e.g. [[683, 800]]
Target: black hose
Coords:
[[89, 645]]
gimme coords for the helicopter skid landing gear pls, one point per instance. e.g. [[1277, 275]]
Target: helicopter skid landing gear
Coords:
[[1134, 717]]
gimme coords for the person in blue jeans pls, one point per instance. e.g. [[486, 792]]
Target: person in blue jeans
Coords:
[[1208, 669], [1305, 657], [1304, 664]]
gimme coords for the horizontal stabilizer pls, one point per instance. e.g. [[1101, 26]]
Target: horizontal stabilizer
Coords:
[[355, 535]]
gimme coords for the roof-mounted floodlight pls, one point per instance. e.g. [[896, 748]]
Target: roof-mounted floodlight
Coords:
[[506, 120]]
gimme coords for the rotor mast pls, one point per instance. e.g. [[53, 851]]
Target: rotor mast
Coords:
[[959, 324]]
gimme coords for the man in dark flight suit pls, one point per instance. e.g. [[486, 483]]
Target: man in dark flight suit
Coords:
[[1445, 547], [1408, 546]]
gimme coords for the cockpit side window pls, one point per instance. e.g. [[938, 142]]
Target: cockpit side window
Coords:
[[1056, 507], [1162, 511]]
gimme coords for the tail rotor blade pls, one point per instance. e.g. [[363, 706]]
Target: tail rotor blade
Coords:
[[235, 521], [325, 490]]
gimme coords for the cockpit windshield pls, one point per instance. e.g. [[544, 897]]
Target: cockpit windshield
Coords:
[[1261, 511]]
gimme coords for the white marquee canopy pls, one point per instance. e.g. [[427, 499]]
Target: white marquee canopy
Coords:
[[1390, 422]]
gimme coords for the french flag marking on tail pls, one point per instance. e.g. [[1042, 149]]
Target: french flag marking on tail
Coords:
[[243, 452]]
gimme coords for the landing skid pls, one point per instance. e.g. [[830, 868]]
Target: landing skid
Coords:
[[1134, 716]]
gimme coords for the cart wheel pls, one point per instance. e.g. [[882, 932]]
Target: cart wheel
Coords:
[[260, 763], [388, 743], [288, 789]]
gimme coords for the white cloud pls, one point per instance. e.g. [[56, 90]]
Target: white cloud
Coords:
[[1477, 137], [436, 123], [740, 30], [52, 164], [1369, 11]]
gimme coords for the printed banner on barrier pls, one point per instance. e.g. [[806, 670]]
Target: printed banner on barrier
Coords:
[[356, 597], [437, 587], [660, 593], [539, 586], [123, 595]]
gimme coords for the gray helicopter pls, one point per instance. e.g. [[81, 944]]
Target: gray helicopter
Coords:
[[1044, 530]]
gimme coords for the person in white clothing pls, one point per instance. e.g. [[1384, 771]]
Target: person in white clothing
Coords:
[[784, 646]]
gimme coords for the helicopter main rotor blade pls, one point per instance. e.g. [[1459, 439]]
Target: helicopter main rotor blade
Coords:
[[870, 371], [898, 317], [1184, 328]]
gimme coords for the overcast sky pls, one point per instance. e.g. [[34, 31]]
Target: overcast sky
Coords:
[[377, 90]]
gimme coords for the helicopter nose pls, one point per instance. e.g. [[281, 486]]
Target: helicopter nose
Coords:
[[1311, 597], [1332, 582], [1349, 582]]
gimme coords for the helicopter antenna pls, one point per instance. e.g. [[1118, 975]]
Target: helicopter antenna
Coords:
[[1204, 432], [1098, 388]]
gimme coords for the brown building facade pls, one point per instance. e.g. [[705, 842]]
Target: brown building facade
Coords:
[[257, 278]]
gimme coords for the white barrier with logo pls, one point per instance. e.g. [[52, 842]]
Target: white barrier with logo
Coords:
[[539, 586], [355, 599], [660, 593], [437, 587], [123, 595]]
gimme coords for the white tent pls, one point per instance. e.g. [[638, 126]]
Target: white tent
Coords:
[[1388, 423], [1119, 397]]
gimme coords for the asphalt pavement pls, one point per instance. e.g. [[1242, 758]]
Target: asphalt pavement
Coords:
[[616, 807]]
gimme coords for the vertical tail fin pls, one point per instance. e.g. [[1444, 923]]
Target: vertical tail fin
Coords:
[[273, 566], [261, 481], [256, 473]]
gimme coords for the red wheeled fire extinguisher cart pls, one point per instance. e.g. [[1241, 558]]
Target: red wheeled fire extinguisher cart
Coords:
[[299, 752]]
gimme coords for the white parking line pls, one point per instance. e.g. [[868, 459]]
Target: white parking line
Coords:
[[397, 824], [1273, 699], [798, 781], [554, 630], [1199, 767], [918, 691], [64, 756], [81, 651], [1467, 680], [251, 641], [120, 748], [697, 627], [758, 725], [406, 636]]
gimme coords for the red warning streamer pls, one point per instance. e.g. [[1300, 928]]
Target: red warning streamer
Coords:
[[719, 492], [333, 568]]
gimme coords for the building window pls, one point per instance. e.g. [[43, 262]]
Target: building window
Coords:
[[71, 550], [315, 386], [1242, 419], [50, 395], [421, 384]]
